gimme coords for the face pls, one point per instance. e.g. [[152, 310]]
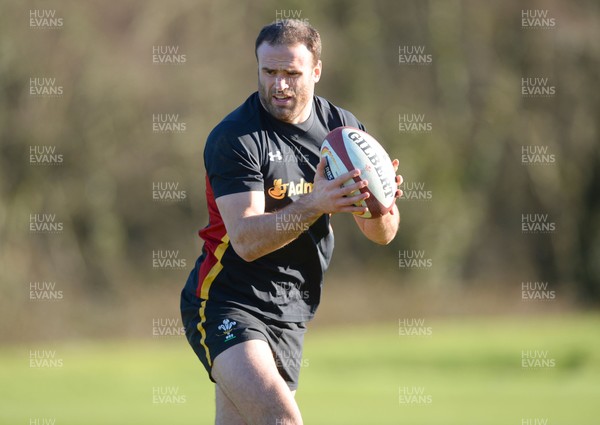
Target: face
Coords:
[[286, 81]]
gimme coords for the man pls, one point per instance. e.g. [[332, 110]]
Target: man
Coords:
[[268, 241]]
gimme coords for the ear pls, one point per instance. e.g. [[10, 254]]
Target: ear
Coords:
[[317, 71]]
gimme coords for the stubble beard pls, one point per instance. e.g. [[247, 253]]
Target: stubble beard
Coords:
[[284, 113]]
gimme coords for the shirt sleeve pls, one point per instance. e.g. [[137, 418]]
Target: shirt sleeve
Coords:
[[232, 163], [351, 120], [336, 116]]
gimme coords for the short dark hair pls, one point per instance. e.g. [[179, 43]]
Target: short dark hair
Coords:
[[288, 32]]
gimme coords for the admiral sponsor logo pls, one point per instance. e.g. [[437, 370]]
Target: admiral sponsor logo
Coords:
[[44, 291], [167, 192], [167, 259], [44, 19], [537, 19], [415, 191], [414, 395], [388, 189], [44, 87], [413, 327], [413, 259], [167, 123], [536, 359], [534, 154], [413, 55], [280, 190], [167, 395], [536, 291], [537, 223], [537, 87], [413, 123], [44, 155], [167, 55], [44, 223], [44, 359]]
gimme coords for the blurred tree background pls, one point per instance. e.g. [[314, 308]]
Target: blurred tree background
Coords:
[[470, 161]]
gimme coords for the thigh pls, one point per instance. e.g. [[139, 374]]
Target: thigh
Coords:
[[212, 328], [247, 374], [227, 413]]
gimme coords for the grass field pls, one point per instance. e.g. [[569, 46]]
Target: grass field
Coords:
[[468, 371]]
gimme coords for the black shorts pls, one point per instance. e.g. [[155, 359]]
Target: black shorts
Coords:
[[212, 327]]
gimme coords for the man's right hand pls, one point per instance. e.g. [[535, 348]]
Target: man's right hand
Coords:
[[329, 197]]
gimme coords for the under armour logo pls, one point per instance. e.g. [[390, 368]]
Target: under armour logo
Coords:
[[277, 156]]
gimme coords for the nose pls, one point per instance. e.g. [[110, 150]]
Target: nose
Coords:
[[280, 84]]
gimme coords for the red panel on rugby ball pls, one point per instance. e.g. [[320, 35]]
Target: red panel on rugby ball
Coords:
[[347, 148]]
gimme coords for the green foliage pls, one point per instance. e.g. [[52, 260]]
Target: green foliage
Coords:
[[470, 160]]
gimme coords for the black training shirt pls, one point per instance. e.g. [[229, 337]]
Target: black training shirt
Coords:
[[252, 151]]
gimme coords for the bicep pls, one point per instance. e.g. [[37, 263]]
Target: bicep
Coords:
[[235, 206]]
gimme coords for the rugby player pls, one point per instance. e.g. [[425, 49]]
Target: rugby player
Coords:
[[268, 241]]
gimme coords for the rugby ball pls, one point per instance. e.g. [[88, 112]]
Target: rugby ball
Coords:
[[347, 148]]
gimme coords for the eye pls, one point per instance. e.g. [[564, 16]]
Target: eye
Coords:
[[270, 71]]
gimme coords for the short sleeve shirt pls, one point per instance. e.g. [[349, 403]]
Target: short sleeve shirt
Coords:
[[252, 151]]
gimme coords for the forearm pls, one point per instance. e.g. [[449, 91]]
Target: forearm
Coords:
[[380, 230], [254, 233], [260, 234]]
